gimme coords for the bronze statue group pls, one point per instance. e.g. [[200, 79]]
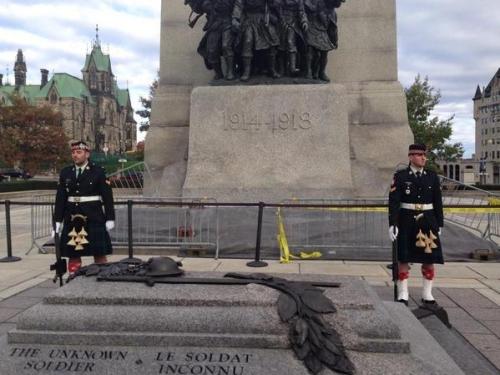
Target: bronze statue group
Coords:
[[275, 37]]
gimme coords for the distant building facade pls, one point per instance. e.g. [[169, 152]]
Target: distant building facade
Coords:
[[487, 117], [465, 171], [94, 108]]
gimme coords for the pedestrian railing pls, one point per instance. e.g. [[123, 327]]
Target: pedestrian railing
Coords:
[[41, 220], [302, 228], [334, 225], [168, 222], [483, 221], [130, 181]]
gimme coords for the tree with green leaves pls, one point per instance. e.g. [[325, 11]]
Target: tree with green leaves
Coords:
[[430, 130], [145, 112], [32, 137]]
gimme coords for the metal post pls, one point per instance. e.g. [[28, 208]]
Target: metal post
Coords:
[[257, 262], [9, 257], [130, 258]]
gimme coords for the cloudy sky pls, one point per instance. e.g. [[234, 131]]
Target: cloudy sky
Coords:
[[453, 42]]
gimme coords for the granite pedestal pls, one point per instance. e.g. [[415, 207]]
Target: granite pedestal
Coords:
[[262, 143], [116, 328]]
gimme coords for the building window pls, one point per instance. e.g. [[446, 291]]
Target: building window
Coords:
[[485, 131], [93, 80], [53, 98]]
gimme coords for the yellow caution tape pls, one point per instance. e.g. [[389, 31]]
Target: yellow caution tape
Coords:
[[494, 201], [490, 210], [282, 241], [285, 256]]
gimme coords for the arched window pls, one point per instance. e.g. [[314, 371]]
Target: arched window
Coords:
[[93, 78], [457, 172], [53, 98]]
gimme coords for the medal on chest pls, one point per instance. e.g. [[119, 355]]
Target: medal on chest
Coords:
[[408, 191]]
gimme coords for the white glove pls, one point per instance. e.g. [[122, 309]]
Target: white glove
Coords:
[[439, 231], [58, 229], [393, 232], [110, 224]]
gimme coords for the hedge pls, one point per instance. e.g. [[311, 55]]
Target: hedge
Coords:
[[23, 185]]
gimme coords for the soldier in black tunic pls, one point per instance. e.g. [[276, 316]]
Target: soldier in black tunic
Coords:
[[415, 220], [82, 193]]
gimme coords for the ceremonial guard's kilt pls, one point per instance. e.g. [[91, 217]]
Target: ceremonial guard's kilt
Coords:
[[416, 208], [79, 205]]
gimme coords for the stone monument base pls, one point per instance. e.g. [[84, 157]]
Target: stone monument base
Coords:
[[266, 143], [113, 328]]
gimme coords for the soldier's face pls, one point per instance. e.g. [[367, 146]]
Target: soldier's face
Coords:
[[417, 158], [79, 156]]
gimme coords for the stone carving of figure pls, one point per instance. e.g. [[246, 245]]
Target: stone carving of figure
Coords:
[[322, 35], [293, 27], [219, 38], [257, 21]]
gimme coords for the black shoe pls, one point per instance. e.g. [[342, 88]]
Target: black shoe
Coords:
[[428, 302], [403, 301]]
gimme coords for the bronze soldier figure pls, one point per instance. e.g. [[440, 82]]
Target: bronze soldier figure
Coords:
[[219, 36], [292, 29], [322, 36], [84, 209], [257, 20], [415, 220]]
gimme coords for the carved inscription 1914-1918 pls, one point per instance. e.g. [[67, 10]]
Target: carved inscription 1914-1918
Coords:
[[275, 122]]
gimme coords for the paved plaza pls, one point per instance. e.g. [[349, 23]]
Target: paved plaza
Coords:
[[469, 291]]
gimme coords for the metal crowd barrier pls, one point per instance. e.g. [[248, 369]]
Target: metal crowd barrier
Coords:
[[350, 224], [486, 223], [130, 181], [336, 226], [41, 220], [187, 224]]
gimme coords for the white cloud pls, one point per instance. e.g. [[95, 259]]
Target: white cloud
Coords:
[[454, 42]]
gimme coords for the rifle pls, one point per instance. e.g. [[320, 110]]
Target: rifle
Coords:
[[395, 267], [60, 265], [151, 281], [192, 21]]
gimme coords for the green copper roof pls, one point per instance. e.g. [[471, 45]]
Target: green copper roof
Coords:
[[122, 97], [28, 92], [101, 61], [67, 86]]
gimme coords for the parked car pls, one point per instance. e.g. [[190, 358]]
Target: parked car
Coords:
[[15, 173]]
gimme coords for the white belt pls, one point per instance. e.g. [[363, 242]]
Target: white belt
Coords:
[[417, 206], [89, 198]]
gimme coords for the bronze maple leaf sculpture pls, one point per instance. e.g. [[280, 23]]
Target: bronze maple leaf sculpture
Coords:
[[313, 340]]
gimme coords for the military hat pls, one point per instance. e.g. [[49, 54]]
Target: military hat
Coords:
[[163, 266], [417, 147], [79, 145]]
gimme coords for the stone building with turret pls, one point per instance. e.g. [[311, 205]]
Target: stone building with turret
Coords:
[[487, 118], [93, 107]]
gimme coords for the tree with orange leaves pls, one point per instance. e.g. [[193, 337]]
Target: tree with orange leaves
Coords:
[[31, 137]]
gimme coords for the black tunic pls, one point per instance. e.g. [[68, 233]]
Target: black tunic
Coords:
[[417, 227], [87, 216]]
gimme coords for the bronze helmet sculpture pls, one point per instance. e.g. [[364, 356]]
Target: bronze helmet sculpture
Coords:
[[163, 266]]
